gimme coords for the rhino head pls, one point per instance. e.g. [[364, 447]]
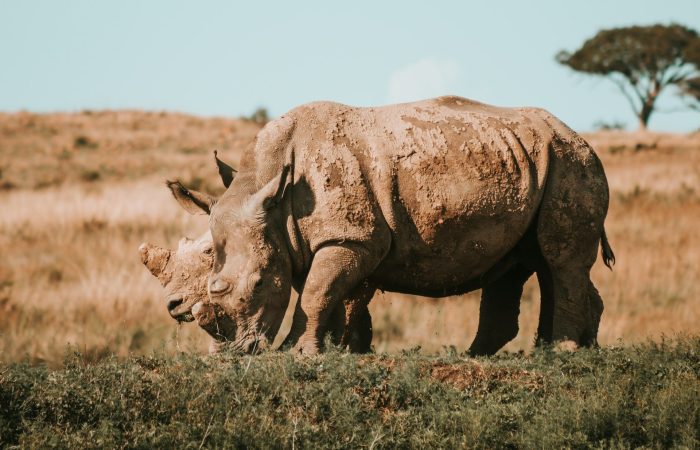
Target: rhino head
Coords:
[[184, 273], [250, 281], [261, 274]]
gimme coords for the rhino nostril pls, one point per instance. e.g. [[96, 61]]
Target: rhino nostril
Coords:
[[172, 304], [218, 286]]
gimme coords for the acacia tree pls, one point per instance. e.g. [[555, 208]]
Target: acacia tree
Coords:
[[641, 60]]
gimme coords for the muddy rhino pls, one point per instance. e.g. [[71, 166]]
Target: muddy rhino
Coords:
[[434, 198], [184, 274]]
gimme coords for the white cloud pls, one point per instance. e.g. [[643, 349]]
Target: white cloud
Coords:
[[422, 79]]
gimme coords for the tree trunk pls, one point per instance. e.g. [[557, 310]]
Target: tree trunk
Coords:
[[643, 123], [648, 106], [644, 115]]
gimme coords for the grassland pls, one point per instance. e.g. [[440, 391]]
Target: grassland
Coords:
[[79, 193], [82, 191], [646, 396]]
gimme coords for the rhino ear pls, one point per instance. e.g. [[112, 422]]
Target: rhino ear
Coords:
[[192, 201], [272, 193], [226, 172]]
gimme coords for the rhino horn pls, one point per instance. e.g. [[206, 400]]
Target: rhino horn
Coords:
[[226, 172], [154, 258]]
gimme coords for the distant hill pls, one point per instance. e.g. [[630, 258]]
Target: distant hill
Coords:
[[41, 150], [614, 141]]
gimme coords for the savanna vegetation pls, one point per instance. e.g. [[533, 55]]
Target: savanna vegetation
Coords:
[[79, 193], [643, 61], [616, 397]]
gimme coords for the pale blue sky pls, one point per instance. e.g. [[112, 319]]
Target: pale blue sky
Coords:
[[224, 58]]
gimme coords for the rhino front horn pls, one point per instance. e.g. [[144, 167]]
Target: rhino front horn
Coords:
[[154, 258]]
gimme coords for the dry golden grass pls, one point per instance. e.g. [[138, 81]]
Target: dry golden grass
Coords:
[[39, 151], [70, 273]]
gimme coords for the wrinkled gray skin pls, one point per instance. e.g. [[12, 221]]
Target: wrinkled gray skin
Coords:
[[434, 198]]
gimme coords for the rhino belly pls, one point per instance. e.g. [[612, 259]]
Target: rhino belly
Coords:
[[451, 222], [455, 256]]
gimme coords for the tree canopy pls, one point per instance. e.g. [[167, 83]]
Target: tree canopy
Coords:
[[641, 60], [691, 89]]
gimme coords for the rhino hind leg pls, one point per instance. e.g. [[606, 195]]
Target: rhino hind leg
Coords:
[[590, 335], [544, 327], [499, 310], [590, 311], [569, 229]]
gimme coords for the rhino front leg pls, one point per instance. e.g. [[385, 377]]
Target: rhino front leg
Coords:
[[336, 272], [357, 333], [360, 338], [351, 324]]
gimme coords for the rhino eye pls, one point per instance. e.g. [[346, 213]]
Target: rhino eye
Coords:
[[208, 251], [258, 283]]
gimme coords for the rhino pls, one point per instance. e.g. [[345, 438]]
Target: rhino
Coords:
[[433, 198], [184, 274]]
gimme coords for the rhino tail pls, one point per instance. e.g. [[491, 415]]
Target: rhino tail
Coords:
[[606, 251]]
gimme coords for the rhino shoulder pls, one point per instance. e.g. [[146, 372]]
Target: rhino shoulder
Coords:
[[272, 148]]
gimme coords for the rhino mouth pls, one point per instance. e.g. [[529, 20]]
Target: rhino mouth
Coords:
[[184, 318], [226, 334], [180, 310], [213, 319]]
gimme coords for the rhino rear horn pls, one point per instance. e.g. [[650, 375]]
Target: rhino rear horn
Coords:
[[226, 172], [154, 258]]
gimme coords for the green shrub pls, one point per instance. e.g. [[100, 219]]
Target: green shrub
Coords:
[[641, 396]]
